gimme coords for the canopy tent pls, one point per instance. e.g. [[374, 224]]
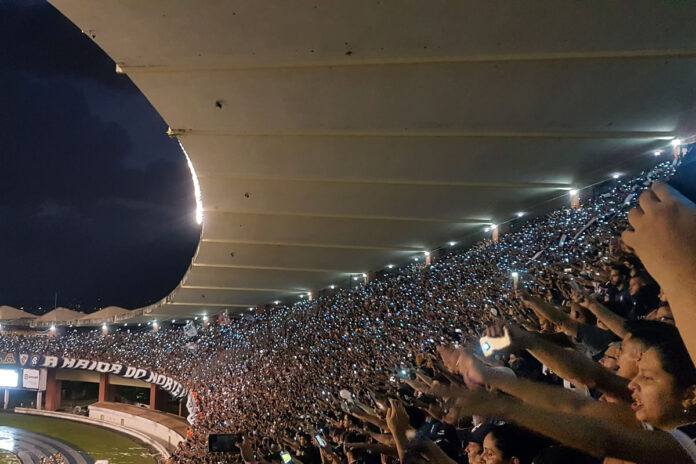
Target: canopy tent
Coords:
[[106, 313], [8, 313], [60, 315]]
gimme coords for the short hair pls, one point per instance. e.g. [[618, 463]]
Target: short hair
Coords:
[[665, 340], [514, 441], [621, 269]]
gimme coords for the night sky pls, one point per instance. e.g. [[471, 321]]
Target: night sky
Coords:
[[96, 202]]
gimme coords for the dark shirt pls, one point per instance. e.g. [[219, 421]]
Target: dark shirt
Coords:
[[645, 301], [619, 301], [594, 338]]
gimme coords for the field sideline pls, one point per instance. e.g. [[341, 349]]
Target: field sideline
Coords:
[[97, 442]]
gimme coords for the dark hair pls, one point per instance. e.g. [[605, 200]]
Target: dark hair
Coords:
[[648, 281], [666, 341], [621, 269], [514, 441], [634, 261]]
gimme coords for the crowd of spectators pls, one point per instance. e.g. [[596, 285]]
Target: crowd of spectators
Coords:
[[56, 458], [598, 368]]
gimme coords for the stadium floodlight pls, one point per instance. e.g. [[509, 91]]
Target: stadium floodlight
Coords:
[[657, 152], [196, 187], [676, 142], [276, 302], [616, 175], [572, 192], [520, 213], [205, 317], [332, 287], [452, 243]]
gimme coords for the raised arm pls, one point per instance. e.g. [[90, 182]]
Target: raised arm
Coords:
[[549, 311], [547, 396], [573, 366], [613, 321], [664, 238], [596, 437]]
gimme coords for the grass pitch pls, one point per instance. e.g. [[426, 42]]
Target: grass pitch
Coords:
[[97, 442]]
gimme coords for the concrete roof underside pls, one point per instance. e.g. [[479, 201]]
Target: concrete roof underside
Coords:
[[333, 138]]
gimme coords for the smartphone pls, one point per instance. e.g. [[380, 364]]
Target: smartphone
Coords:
[[491, 344], [285, 457], [574, 285], [320, 440]]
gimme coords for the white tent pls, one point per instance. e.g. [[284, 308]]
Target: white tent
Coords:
[[60, 315], [107, 313], [8, 313]]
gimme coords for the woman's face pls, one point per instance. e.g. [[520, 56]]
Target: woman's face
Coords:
[[491, 453], [655, 399]]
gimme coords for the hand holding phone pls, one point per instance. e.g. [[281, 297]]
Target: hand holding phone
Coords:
[[491, 344]]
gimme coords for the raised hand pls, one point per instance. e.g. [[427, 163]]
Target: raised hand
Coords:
[[664, 233], [397, 418], [450, 357]]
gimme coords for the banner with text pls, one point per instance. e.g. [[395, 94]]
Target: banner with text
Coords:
[[166, 383]]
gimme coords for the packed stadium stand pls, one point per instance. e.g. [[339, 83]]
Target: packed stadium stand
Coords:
[[431, 232]]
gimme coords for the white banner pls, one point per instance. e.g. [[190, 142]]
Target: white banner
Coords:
[[190, 330]]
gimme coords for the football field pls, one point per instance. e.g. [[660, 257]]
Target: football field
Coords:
[[97, 442]]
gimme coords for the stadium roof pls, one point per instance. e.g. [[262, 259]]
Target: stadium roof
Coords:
[[333, 138]]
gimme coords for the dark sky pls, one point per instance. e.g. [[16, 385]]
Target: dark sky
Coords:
[[96, 202]]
